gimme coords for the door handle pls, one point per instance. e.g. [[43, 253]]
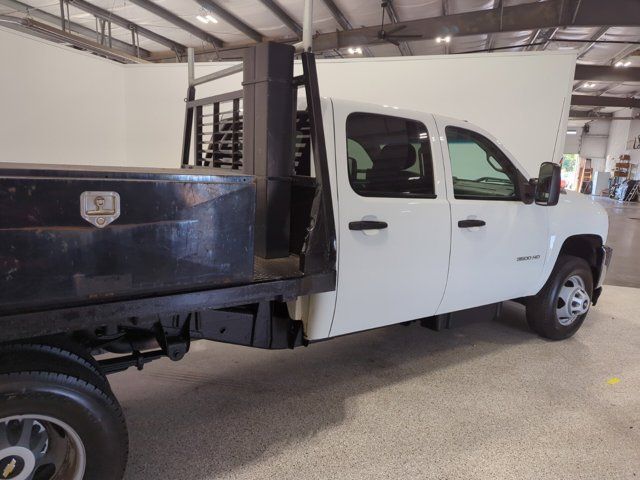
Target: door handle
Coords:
[[367, 225], [471, 223]]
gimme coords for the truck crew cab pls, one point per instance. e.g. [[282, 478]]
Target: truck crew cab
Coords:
[[288, 224]]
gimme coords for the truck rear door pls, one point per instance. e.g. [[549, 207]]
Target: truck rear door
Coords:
[[498, 243], [394, 222]]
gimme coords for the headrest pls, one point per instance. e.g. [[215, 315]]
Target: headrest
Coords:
[[395, 158]]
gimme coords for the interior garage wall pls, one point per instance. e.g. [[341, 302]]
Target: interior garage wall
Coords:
[[594, 143], [155, 109], [503, 93], [59, 105], [621, 138], [69, 107]]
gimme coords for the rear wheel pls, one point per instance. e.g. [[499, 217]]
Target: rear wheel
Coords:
[[58, 419], [38, 446], [559, 309]]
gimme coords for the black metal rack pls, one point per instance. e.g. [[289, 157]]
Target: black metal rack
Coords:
[[218, 135], [259, 131]]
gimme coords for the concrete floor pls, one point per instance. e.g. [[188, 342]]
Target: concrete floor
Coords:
[[484, 401]]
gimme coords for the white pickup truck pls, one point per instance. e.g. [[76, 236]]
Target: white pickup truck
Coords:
[[285, 226], [434, 216]]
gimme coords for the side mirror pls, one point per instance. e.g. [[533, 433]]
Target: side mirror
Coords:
[[548, 184]]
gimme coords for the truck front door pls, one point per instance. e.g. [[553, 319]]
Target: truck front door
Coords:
[[498, 243], [393, 215]]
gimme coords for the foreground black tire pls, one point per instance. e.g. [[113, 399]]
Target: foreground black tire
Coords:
[[59, 424], [559, 309], [56, 356]]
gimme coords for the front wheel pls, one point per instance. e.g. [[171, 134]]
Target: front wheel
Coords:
[[559, 309]]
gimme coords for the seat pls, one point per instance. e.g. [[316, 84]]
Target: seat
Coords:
[[389, 171]]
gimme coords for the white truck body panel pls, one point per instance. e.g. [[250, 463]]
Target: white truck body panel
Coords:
[[406, 264], [522, 99], [484, 267], [423, 264], [575, 214]]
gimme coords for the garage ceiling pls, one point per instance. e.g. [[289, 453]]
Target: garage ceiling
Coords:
[[160, 30]]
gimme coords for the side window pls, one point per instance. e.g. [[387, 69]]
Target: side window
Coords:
[[479, 168], [389, 156]]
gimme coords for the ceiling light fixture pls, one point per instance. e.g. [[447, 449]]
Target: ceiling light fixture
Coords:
[[446, 39], [589, 85], [355, 50], [207, 19], [571, 132], [622, 63]]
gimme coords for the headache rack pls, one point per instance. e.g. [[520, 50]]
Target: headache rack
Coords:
[[259, 131], [218, 132]]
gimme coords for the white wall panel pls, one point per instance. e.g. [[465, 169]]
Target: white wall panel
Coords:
[[68, 107], [593, 146], [59, 105], [155, 109], [520, 98]]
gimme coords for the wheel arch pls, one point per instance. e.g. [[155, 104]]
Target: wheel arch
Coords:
[[587, 247]]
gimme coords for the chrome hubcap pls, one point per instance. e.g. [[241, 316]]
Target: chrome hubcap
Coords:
[[573, 300], [37, 447]]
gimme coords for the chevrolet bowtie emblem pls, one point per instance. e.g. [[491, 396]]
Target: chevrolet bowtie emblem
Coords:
[[8, 470]]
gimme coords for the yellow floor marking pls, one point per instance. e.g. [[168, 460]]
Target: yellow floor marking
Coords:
[[613, 380]]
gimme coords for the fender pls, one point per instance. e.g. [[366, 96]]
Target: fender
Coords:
[[577, 226]]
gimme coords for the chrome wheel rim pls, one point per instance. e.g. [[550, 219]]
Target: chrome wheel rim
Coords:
[[38, 447], [573, 300]]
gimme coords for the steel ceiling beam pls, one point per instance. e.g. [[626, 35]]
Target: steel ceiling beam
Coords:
[[54, 34], [607, 73], [602, 31], [213, 7], [579, 114], [345, 24], [404, 47], [445, 7], [602, 101], [124, 23], [533, 39], [445, 11], [526, 16], [624, 53], [612, 61], [75, 27], [178, 22], [284, 17], [547, 38], [488, 45]]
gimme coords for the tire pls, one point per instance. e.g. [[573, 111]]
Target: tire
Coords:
[[56, 357], [559, 309], [85, 430]]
